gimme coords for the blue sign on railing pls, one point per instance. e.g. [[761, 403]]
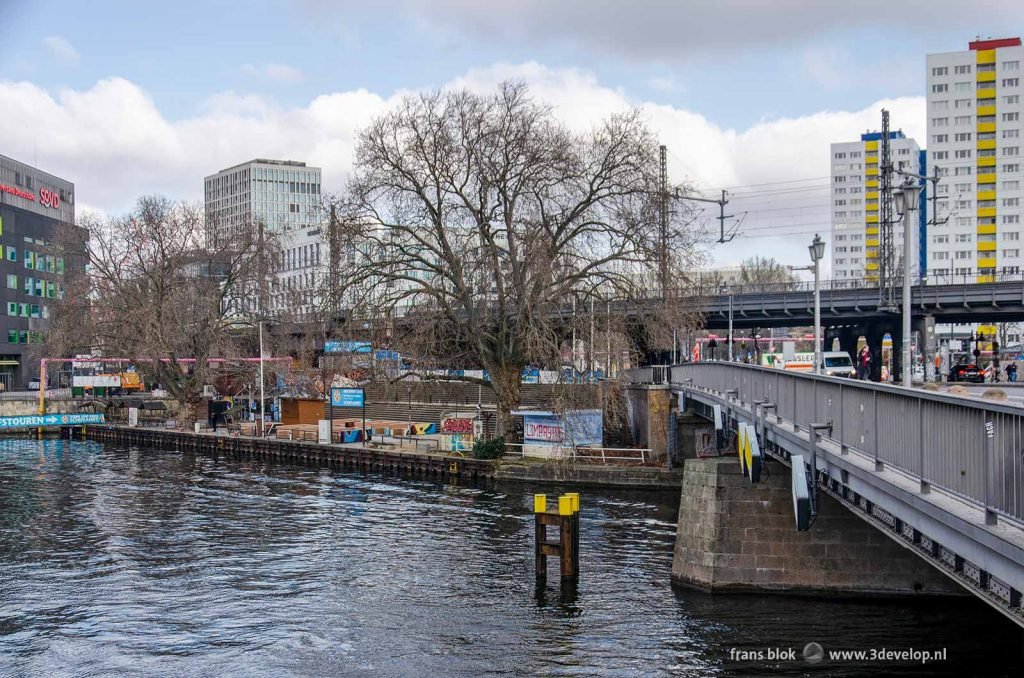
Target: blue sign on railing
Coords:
[[34, 420], [347, 347], [347, 397]]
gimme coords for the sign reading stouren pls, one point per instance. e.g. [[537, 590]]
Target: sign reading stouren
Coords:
[[33, 420]]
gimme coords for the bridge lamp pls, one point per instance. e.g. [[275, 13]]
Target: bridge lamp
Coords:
[[905, 199], [817, 250]]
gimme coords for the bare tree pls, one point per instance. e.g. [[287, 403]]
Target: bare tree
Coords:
[[764, 272], [482, 221], [158, 293]]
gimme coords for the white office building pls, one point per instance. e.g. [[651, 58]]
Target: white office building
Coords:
[[974, 139], [283, 197], [855, 241]]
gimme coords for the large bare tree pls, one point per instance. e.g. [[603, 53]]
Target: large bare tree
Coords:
[[158, 293], [764, 273], [483, 220]]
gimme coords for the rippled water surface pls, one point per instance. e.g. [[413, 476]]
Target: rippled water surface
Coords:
[[127, 561]]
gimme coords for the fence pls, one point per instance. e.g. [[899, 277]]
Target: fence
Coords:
[[616, 456], [969, 447]]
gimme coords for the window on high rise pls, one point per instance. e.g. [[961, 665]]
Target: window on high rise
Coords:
[[940, 105], [1011, 185], [962, 103], [1011, 254], [1011, 202], [963, 69], [1011, 168], [1011, 82], [963, 87], [1011, 117], [940, 70], [1011, 65], [940, 122], [940, 138], [1011, 99], [1011, 133], [1011, 150], [940, 87], [962, 120], [963, 153], [963, 136]]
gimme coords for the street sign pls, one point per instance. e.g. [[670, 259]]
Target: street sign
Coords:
[[347, 397], [36, 420]]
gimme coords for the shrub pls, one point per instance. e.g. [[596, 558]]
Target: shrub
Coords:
[[489, 449]]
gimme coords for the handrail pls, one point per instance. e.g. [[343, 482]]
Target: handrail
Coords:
[[969, 447]]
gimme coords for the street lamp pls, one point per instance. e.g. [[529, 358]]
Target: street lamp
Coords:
[[817, 250], [906, 197], [724, 289]]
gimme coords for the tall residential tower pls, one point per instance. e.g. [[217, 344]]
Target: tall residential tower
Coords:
[[855, 206], [974, 139]]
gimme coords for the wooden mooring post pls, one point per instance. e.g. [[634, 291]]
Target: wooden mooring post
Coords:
[[567, 548]]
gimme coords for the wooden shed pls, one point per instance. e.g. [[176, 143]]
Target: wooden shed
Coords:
[[302, 410]]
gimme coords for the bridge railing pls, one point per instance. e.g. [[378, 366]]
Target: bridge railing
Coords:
[[715, 287], [969, 447]]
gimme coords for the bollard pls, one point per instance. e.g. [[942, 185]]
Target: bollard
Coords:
[[567, 547]]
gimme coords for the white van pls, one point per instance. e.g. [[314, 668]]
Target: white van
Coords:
[[839, 364]]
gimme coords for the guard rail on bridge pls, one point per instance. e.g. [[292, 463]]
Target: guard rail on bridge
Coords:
[[941, 474], [970, 447]]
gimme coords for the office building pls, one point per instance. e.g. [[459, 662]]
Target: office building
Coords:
[[855, 206], [33, 206], [974, 139], [283, 197]]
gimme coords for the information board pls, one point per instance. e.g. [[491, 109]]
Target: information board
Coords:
[[347, 397]]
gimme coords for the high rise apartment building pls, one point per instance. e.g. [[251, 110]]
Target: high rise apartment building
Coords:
[[855, 207], [283, 197], [975, 141]]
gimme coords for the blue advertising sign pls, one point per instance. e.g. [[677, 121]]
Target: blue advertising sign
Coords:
[[35, 420], [347, 397], [347, 347]]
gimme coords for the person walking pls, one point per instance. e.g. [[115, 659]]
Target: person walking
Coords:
[[864, 364]]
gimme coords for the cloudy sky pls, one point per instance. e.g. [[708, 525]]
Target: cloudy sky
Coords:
[[126, 98]]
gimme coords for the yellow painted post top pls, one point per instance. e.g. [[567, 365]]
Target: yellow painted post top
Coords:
[[565, 505], [575, 496], [540, 503]]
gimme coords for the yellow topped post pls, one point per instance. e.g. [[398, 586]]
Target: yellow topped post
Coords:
[[565, 505], [540, 503], [575, 501]]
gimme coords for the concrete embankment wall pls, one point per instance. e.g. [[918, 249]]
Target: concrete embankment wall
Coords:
[[26, 407], [737, 536], [384, 460]]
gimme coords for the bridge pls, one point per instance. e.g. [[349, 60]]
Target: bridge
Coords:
[[940, 475], [791, 305]]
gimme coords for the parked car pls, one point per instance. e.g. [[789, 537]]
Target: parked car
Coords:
[[967, 372], [33, 385]]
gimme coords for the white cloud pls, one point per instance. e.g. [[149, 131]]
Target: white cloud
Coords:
[[62, 51], [662, 83], [115, 144], [276, 72]]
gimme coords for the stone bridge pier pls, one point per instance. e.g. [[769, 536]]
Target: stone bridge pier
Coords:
[[733, 535]]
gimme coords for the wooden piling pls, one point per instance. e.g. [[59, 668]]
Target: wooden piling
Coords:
[[566, 518]]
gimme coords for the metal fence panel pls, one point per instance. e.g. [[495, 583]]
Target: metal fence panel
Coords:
[[935, 437]]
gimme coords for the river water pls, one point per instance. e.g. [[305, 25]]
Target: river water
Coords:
[[128, 561]]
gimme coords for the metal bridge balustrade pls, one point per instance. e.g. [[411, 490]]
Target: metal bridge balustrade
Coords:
[[942, 475]]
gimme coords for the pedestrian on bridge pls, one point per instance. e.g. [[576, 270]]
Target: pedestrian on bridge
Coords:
[[864, 364]]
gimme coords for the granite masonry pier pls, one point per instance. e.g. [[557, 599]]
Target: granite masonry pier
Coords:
[[733, 535]]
